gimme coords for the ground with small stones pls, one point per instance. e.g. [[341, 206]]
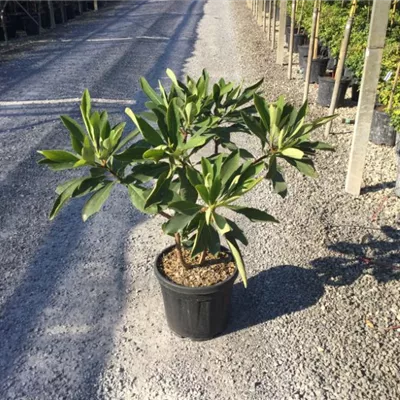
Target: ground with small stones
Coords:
[[81, 310]]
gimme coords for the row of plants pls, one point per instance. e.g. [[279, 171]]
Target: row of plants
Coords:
[[159, 165], [334, 15]]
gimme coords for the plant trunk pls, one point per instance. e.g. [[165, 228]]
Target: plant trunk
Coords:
[[179, 251], [203, 257]]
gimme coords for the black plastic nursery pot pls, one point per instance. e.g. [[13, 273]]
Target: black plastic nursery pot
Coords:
[[303, 55], [318, 68], [382, 132], [325, 91], [299, 39], [199, 313], [355, 92]]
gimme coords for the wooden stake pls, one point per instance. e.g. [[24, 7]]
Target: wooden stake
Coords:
[[310, 50], [273, 25], [294, 4], [340, 66], [264, 15], [269, 19], [394, 87], [280, 54], [51, 12], [301, 17], [95, 5], [316, 40], [366, 103]]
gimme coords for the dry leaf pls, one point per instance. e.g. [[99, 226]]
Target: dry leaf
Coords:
[[369, 324]]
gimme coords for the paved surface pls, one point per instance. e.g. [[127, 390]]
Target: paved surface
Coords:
[[81, 313]]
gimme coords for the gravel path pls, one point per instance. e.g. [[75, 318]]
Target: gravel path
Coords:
[[81, 312]]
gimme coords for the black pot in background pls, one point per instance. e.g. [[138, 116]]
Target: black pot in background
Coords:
[[299, 39], [332, 63], [325, 91], [303, 55], [355, 92], [31, 28], [11, 31], [382, 132], [318, 68], [348, 73], [70, 11], [199, 313]]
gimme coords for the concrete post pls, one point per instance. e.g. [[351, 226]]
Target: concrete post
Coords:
[[51, 12], [366, 103]]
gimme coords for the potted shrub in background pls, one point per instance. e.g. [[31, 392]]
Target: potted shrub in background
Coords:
[[164, 175]]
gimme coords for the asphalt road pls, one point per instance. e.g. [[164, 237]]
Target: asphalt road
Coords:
[[62, 284]]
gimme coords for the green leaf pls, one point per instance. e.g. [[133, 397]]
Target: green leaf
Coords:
[[177, 223], [293, 153], [203, 192], [148, 132], [196, 141], [229, 166], [155, 154], [125, 140], [185, 207], [138, 197], [77, 133], [63, 198], [322, 146], [253, 214], [276, 177], [187, 190], [194, 176], [59, 156], [145, 172], [94, 204], [237, 233], [149, 92], [134, 152], [255, 127], [173, 123], [172, 76], [159, 194], [237, 257], [304, 166], [262, 109], [222, 224]]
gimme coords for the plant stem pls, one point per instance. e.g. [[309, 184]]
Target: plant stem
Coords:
[[203, 257], [179, 251], [215, 146], [256, 161], [165, 215]]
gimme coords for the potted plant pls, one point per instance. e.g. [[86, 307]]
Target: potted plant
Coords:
[[164, 175]]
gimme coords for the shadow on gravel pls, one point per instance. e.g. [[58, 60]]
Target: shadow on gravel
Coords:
[[272, 293], [378, 187], [378, 257]]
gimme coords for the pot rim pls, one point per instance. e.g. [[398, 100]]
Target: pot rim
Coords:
[[187, 289]]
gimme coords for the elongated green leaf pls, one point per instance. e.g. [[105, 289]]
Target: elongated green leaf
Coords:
[[160, 192], [177, 223], [229, 166], [59, 156], [196, 141], [149, 91], [262, 108], [172, 76], [194, 176], [173, 123], [186, 191], [77, 133], [155, 154], [146, 172], [148, 132], [221, 223], [293, 153], [276, 177], [63, 198], [94, 204], [203, 192], [185, 207], [255, 127], [134, 152], [237, 257]]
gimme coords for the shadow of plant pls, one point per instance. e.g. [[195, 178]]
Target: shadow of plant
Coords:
[[377, 257], [272, 293]]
